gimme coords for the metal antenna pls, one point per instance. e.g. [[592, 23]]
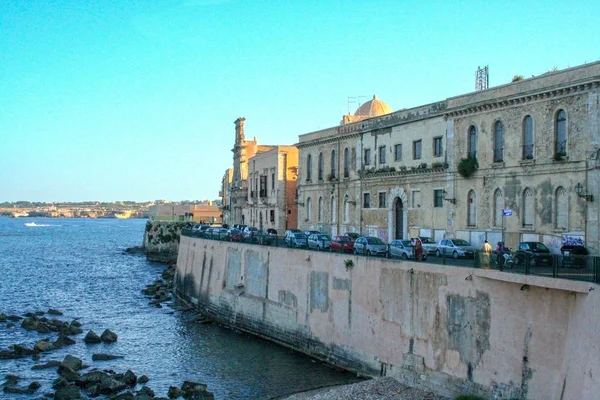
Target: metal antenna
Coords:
[[482, 78]]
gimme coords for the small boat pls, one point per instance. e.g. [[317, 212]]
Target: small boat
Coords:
[[31, 224]]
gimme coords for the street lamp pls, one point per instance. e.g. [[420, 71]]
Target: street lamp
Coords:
[[453, 200], [579, 191]]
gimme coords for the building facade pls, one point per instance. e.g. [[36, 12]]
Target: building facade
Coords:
[[272, 189], [454, 168]]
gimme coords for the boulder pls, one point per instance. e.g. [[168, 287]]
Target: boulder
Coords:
[[109, 385], [91, 337], [11, 380], [108, 336], [63, 341], [43, 345], [73, 329], [68, 373], [104, 357], [145, 393], [174, 392], [52, 311], [21, 351], [72, 362], [35, 356], [76, 323], [69, 392], [17, 390], [129, 378], [195, 390], [124, 396], [30, 323], [49, 364], [3, 317], [143, 379], [14, 318], [10, 325], [35, 385]]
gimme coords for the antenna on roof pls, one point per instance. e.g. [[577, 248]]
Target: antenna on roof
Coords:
[[355, 100], [482, 78]]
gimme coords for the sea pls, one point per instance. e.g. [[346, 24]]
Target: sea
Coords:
[[80, 267]]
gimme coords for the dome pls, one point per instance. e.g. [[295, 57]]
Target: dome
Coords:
[[373, 108]]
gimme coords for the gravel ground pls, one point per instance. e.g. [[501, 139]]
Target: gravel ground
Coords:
[[374, 389]]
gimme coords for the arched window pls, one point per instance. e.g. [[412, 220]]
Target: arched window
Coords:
[[498, 142], [498, 207], [308, 209], [472, 209], [309, 168], [333, 164], [321, 166], [561, 211], [528, 138], [333, 209], [346, 209], [472, 141], [346, 163], [528, 214], [320, 210], [560, 129]]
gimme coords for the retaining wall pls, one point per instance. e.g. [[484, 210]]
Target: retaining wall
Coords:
[[161, 240], [448, 329]]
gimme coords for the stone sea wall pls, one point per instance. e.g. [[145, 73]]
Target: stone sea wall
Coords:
[[161, 240], [447, 329]]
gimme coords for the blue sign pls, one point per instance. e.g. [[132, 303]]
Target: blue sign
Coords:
[[507, 212]]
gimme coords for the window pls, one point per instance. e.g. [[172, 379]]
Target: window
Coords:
[[309, 168], [528, 138], [382, 155], [438, 198], [560, 128], [333, 164], [367, 156], [308, 209], [272, 180], [417, 150], [382, 196], [416, 198], [498, 207], [437, 146], [472, 141], [498, 142], [398, 152], [320, 210], [346, 209], [366, 200], [263, 186], [272, 216], [528, 209], [321, 166], [471, 209], [561, 209], [346, 163], [333, 210]]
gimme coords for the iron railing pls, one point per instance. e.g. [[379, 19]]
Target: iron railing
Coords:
[[528, 152], [560, 149]]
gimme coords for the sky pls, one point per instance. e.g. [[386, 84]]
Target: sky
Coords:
[[135, 100]]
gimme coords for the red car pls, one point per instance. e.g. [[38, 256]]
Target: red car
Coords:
[[234, 235], [342, 244]]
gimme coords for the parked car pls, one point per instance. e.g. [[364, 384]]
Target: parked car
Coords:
[[296, 239], [574, 256], [455, 248], [533, 253], [352, 235], [428, 244], [343, 244], [234, 235], [196, 227], [218, 233], [370, 245], [289, 233], [404, 249], [319, 241], [202, 230], [249, 233], [308, 233], [239, 226], [266, 236]]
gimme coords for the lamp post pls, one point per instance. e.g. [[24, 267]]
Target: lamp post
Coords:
[[586, 196], [453, 200]]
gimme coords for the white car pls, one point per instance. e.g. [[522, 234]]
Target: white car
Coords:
[[319, 241], [428, 244]]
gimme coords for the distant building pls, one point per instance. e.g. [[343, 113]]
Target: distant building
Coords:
[[207, 213], [272, 189]]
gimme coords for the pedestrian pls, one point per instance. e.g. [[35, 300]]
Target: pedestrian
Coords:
[[487, 254], [418, 249]]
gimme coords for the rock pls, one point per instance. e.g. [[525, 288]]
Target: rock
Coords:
[[143, 379], [195, 390], [10, 325], [11, 380], [43, 345], [3, 317], [63, 341], [49, 364], [73, 330], [40, 313], [17, 390], [76, 323], [124, 396], [109, 385], [29, 314], [14, 318], [129, 378], [68, 373], [108, 336], [21, 351], [174, 392], [145, 392], [35, 356], [70, 392], [52, 311], [59, 383], [30, 323], [104, 357], [35, 385], [72, 362], [6, 355], [91, 338]]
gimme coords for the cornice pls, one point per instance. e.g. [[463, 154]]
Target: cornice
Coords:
[[511, 101]]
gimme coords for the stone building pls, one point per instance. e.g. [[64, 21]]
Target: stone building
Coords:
[[225, 195], [528, 147], [272, 189]]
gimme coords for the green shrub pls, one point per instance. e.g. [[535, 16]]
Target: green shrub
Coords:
[[468, 166]]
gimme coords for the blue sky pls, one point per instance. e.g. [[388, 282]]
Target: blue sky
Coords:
[[135, 100]]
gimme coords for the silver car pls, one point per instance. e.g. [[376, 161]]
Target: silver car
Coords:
[[455, 248], [428, 244], [370, 246], [319, 241], [404, 250]]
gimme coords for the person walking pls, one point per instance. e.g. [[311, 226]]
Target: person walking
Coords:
[[418, 249], [487, 254]]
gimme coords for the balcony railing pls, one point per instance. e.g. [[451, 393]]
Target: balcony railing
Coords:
[[498, 155], [560, 149], [528, 152], [263, 193]]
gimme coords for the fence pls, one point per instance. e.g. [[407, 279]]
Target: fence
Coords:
[[573, 267]]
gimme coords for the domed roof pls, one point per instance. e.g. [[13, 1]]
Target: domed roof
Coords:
[[373, 108]]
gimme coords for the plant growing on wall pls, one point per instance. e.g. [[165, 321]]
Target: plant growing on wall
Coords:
[[348, 264], [468, 166]]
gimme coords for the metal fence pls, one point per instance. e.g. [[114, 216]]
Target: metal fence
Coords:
[[573, 267]]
